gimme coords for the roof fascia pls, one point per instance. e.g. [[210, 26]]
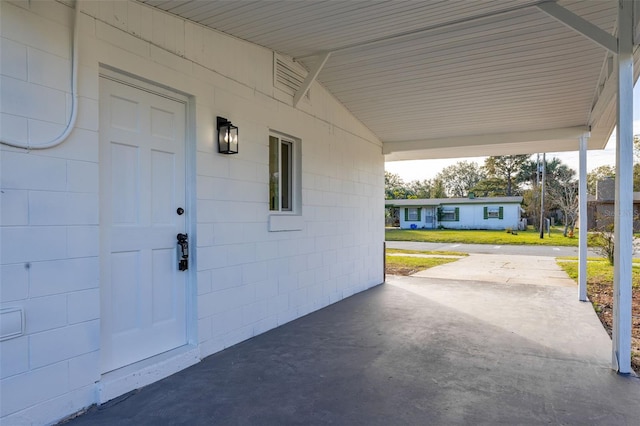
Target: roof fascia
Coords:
[[488, 139]]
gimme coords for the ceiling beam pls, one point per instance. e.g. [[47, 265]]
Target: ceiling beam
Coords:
[[311, 77], [550, 140], [488, 139], [395, 38], [605, 96], [636, 24], [580, 25]]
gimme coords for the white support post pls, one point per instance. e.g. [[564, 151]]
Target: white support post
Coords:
[[584, 221], [621, 357]]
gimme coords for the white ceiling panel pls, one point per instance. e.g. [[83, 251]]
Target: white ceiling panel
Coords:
[[427, 72]]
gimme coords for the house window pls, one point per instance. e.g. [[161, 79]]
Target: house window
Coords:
[[285, 182], [412, 214], [493, 212], [281, 174], [449, 214]]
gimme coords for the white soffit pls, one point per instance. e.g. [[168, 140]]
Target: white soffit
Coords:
[[463, 78]]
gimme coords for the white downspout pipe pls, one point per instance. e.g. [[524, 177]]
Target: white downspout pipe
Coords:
[[29, 145]]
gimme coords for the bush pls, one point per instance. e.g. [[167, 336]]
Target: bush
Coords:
[[603, 242]]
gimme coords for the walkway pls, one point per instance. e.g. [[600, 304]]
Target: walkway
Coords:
[[505, 269], [418, 350], [554, 251]]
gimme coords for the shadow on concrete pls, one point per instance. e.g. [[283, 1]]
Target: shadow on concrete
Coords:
[[387, 356]]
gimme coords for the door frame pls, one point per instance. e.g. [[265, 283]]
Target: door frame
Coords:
[[125, 379]]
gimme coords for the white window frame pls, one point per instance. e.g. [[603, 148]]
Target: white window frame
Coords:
[[493, 212], [448, 214], [287, 218]]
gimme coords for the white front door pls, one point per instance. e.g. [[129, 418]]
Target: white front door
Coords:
[[142, 186]]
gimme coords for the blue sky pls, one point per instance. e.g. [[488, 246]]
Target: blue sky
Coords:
[[427, 169]]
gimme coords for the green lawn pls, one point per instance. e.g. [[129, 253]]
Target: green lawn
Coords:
[[598, 271], [405, 265], [529, 237], [429, 252]]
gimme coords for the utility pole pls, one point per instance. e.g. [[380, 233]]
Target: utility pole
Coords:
[[544, 172]]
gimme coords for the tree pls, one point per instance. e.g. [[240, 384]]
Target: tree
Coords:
[[460, 178], [607, 171], [491, 187], [506, 167], [597, 174], [394, 187], [529, 172], [636, 163], [438, 190], [428, 188], [557, 174], [563, 194]]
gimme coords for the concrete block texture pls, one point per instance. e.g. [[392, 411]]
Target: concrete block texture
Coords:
[[23, 171], [24, 390], [14, 59], [64, 343], [248, 280]]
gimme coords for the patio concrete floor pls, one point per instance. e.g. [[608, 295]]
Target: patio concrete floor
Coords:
[[418, 350]]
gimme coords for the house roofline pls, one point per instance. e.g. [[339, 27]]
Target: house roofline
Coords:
[[419, 202]]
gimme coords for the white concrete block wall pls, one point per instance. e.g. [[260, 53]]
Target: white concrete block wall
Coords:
[[247, 279], [49, 216]]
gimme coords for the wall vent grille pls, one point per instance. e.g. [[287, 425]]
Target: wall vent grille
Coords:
[[288, 76]]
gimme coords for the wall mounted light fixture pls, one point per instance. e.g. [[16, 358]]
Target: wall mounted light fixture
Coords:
[[227, 137]]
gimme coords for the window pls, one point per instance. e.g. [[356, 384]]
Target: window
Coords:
[[449, 214], [284, 174], [285, 188], [412, 214], [493, 212]]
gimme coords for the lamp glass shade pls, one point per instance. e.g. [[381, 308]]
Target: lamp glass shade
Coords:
[[233, 139], [227, 137]]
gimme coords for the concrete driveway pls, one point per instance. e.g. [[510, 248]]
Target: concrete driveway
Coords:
[[422, 350], [505, 269], [493, 249]]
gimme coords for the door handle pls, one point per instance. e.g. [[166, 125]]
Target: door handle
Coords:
[[183, 252]]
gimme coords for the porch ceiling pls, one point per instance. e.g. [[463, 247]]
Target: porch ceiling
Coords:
[[436, 79]]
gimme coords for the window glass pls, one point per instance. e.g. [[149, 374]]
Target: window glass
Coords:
[[274, 175], [282, 181], [413, 214], [448, 214], [285, 167]]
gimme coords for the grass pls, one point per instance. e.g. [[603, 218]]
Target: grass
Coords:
[[407, 265], [593, 259], [601, 294], [599, 271], [528, 237], [429, 252]]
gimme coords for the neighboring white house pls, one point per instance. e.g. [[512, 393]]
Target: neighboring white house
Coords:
[[459, 213], [93, 302]]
